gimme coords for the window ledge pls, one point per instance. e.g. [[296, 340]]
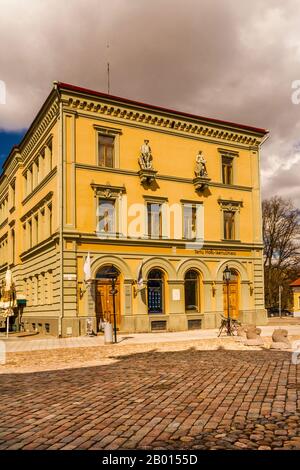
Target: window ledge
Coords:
[[39, 186], [3, 223]]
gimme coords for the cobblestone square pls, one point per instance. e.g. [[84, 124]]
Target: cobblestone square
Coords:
[[209, 394]]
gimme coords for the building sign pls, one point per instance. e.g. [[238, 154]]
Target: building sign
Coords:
[[175, 294], [222, 252]]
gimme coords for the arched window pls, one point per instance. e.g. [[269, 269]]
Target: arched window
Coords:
[[191, 291], [107, 272], [155, 287]]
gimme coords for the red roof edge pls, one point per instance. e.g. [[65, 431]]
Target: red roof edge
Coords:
[[79, 89], [295, 283]]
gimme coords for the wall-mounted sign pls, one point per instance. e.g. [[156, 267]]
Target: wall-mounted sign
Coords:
[[222, 252], [175, 294]]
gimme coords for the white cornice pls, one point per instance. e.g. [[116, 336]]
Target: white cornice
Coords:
[[126, 113]]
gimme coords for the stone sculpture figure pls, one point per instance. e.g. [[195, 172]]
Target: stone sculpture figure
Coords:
[[280, 339], [146, 159], [253, 336], [200, 167]]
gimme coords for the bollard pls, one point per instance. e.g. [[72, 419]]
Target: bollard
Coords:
[[2, 352], [108, 333]]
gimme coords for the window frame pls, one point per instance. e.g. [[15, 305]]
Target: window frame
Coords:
[[232, 228], [233, 155], [196, 281], [108, 132], [230, 206], [227, 176], [160, 216], [111, 201], [106, 147]]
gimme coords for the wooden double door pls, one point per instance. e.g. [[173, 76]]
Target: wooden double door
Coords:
[[233, 300], [104, 302]]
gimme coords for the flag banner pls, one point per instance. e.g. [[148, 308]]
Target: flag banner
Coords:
[[140, 280], [87, 268]]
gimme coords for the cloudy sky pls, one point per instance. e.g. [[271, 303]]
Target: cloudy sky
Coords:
[[228, 59]]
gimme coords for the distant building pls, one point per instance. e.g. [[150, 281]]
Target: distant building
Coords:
[[296, 297], [160, 199]]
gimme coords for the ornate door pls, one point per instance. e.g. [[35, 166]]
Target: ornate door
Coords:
[[233, 300], [104, 302]]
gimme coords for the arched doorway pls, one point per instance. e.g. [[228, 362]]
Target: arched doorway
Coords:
[[232, 294], [155, 290], [191, 291], [104, 297]]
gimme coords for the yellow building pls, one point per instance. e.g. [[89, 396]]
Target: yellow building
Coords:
[[160, 199], [296, 297]]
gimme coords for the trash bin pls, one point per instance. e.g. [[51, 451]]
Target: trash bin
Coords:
[[108, 333]]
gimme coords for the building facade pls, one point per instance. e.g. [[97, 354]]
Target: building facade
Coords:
[[295, 286], [159, 199]]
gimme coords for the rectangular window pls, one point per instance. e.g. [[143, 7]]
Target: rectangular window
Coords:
[[25, 185], [106, 216], [13, 194], [106, 151], [50, 155], [229, 226], [13, 247], [189, 221], [50, 218], [30, 180], [30, 233], [36, 229], [24, 237], [154, 220], [227, 170]]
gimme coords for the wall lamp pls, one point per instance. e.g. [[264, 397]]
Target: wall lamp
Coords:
[[213, 289], [251, 288], [82, 289]]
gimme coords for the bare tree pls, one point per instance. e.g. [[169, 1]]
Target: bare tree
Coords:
[[281, 230]]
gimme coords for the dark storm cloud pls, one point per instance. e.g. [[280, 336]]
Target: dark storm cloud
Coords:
[[221, 58]]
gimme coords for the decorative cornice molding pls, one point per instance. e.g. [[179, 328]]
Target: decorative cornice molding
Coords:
[[88, 237], [107, 191], [3, 223], [228, 152], [37, 206], [229, 205], [40, 185], [40, 247], [107, 130], [50, 115], [178, 179], [187, 125], [4, 237]]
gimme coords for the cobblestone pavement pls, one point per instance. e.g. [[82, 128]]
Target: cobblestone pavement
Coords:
[[174, 396]]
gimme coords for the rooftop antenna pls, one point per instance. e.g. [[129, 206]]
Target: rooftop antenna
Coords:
[[108, 77]]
